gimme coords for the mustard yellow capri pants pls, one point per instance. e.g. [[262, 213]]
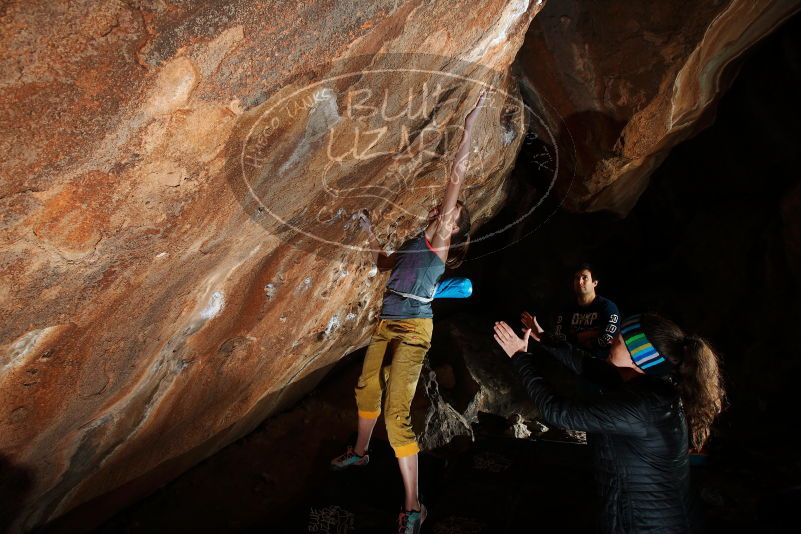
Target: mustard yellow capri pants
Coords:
[[408, 341]]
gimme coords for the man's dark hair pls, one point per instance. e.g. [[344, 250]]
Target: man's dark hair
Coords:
[[586, 267]]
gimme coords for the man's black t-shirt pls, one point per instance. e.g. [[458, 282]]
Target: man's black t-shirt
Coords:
[[590, 327]]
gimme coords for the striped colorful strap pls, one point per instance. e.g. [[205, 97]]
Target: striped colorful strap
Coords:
[[642, 352]]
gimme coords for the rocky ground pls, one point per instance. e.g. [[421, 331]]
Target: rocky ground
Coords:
[[277, 480]]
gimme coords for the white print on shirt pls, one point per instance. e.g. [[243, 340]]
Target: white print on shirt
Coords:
[[584, 319]]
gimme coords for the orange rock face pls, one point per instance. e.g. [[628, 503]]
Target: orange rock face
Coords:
[[624, 82], [179, 181], [179, 253]]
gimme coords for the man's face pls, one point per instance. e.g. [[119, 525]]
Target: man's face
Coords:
[[583, 284]]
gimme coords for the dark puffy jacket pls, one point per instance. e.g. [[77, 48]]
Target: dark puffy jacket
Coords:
[[638, 435]]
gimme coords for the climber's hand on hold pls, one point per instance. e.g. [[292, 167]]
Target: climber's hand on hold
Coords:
[[463, 154]]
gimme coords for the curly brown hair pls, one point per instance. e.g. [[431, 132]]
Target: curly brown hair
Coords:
[[697, 372]]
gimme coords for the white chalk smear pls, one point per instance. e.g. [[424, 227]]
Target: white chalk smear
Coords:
[[332, 325], [214, 307]]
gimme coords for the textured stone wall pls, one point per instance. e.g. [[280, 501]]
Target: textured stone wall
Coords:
[[178, 252], [175, 265], [624, 82]]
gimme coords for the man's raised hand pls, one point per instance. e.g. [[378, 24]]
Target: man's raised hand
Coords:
[[530, 322]]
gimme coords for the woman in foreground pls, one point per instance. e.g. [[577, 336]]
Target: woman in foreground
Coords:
[[660, 395]]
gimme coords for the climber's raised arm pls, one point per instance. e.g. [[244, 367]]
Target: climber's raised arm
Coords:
[[441, 228]]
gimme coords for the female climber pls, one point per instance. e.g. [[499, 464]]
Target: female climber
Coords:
[[660, 394], [405, 326]]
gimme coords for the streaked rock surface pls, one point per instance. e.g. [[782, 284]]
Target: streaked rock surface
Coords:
[[152, 310], [624, 82], [152, 306]]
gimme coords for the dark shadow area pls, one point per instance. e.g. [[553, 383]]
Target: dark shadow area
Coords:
[[16, 483], [715, 244], [497, 484], [92, 514], [455, 383]]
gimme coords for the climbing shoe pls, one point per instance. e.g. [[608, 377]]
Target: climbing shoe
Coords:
[[349, 459], [410, 521]]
